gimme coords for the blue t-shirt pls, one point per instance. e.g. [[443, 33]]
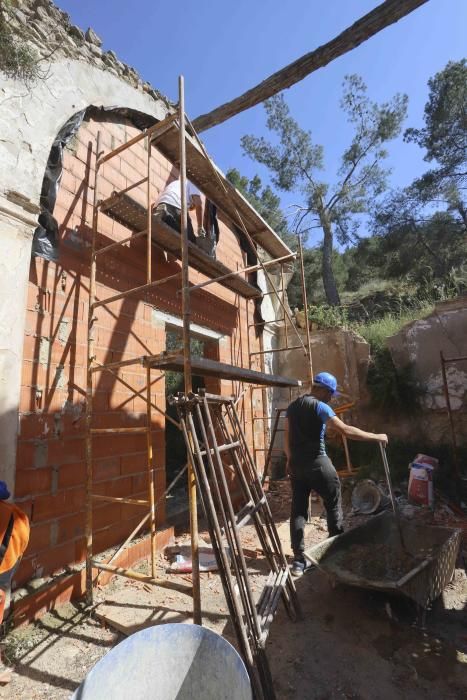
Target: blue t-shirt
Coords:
[[307, 429]]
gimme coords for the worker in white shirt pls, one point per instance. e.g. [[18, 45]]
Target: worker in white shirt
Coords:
[[169, 205]]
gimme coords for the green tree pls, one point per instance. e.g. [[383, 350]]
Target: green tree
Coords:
[[265, 201], [295, 161], [444, 138], [423, 226]]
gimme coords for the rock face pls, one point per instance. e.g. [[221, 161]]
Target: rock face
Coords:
[[419, 343], [92, 37], [53, 36]]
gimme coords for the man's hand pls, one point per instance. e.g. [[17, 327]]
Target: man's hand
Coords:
[[383, 439]]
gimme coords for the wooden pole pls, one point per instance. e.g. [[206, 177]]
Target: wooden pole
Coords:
[[367, 26], [89, 361], [187, 354]]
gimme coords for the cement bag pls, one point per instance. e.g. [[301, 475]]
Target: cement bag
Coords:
[[421, 480]]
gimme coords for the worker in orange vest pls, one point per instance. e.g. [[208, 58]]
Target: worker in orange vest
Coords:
[[14, 538]]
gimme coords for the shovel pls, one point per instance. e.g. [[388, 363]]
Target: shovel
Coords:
[[391, 495]]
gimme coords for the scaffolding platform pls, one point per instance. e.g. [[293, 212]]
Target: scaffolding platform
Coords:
[[133, 216], [211, 368]]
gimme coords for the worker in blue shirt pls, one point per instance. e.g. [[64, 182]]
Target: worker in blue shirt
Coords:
[[308, 465]]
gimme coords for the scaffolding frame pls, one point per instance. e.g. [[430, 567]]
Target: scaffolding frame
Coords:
[[180, 122]]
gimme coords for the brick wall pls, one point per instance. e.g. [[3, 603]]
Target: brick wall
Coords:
[[50, 476]]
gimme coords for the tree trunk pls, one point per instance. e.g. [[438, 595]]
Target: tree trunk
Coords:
[[377, 19], [329, 282]]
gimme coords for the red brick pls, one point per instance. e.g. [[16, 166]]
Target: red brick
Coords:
[[40, 537], [116, 487], [105, 469], [105, 515], [71, 475], [46, 507], [32, 481], [70, 527]]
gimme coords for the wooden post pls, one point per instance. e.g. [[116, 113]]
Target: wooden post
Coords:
[[89, 361], [187, 353]]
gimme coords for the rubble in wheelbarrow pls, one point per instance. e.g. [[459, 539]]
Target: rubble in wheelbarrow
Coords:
[[380, 561]]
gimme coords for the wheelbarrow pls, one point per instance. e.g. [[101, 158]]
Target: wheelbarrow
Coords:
[[169, 662], [371, 556]]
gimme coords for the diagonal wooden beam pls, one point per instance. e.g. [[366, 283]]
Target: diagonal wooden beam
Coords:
[[367, 26]]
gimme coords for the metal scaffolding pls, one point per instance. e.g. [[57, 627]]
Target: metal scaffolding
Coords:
[[177, 140]]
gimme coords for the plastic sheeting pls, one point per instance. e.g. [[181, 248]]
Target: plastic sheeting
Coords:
[[45, 240]]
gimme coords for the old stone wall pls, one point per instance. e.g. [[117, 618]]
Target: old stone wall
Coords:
[[419, 345]]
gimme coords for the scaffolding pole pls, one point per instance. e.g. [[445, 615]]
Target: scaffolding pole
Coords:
[[178, 121], [186, 314]]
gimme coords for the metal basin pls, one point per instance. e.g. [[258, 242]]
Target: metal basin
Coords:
[[168, 662]]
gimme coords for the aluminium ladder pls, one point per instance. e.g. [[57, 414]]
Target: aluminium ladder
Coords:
[[217, 447]]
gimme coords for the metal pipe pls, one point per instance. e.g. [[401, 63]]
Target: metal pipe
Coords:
[[141, 288], [149, 217], [251, 268], [138, 393], [161, 127], [150, 473], [104, 203], [187, 351], [89, 360], [117, 244]]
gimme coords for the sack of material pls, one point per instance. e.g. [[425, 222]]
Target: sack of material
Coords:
[[421, 480]]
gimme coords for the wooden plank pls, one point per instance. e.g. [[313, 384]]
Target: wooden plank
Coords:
[[210, 368], [131, 214]]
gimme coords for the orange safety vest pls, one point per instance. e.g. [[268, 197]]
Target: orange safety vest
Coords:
[[14, 535]]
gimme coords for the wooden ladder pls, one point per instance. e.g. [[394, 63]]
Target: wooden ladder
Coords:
[[217, 448]]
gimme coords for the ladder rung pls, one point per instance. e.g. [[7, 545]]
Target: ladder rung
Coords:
[[274, 580], [244, 515], [221, 448], [117, 499], [104, 431], [271, 600]]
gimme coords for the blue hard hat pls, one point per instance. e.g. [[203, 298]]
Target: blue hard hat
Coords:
[[327, 380]]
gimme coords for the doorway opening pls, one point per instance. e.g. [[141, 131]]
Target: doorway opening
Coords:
[[175, 450]]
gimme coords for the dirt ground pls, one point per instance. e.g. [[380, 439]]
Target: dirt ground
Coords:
[[350, 644]]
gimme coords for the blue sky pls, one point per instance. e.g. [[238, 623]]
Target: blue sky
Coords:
[[224, 48]]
